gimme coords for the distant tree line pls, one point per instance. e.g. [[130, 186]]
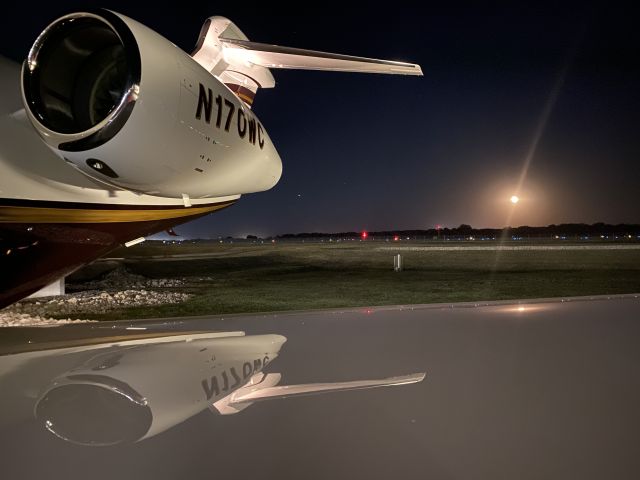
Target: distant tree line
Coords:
[[564, 229]]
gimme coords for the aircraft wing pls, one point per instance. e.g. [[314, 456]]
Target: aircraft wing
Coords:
[[275, 56], [265, 387]]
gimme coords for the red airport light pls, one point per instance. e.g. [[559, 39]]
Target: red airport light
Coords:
[[396, 238], [364, 235]]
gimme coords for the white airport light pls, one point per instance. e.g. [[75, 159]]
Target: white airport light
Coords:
[[514, 199]]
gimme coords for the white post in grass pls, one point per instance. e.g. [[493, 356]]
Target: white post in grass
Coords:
[[397, 263]]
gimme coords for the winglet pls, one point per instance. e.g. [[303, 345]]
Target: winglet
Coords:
[[244, 66], [275, 56]]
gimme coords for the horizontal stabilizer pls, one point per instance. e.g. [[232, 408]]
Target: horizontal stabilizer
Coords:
[[274, 56], [265, 387]]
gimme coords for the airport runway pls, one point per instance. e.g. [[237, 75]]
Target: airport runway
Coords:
[[547, 389], [509, 248]]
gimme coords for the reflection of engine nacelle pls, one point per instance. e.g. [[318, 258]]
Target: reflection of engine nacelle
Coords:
[[136, 392], [127, 107]]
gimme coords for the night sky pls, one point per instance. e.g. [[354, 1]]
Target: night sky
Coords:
[[545, 97]]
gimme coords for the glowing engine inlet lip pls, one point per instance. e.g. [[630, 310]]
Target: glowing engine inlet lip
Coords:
[[108, 127]]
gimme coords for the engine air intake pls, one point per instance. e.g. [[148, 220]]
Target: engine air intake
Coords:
[[81, 72]]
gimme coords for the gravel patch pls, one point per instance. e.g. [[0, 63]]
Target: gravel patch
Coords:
[[11, 319], [94, 302], [118, 289], [121, 279]]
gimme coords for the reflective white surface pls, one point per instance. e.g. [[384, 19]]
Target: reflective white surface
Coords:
[[520, 390]]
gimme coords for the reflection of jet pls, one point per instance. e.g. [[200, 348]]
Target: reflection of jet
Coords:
[[141, 137], [134, 392]]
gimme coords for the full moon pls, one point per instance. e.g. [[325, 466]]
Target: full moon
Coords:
[[514, 199]]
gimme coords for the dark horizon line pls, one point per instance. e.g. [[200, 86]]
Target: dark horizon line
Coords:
[[464, 230], [598, 228]]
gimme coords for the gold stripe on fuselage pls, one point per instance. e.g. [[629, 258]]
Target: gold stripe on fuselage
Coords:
[[244, 97], [10, 214]]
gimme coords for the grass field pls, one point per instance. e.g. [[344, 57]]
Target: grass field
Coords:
[[245, 277]]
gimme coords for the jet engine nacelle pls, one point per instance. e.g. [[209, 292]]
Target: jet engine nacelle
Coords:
[[129, 108]]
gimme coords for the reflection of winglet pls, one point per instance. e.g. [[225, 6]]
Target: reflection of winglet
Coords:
[[265, 387]]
